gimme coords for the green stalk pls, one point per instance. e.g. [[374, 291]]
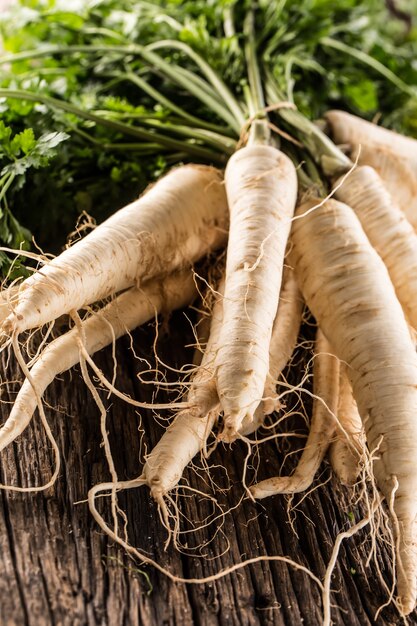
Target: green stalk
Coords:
[[217, 141], [368, 60], [142, 148], [331, 159], [175, 157], [151, 58], [228, 22], [289, 80], [254, 76], [219, 86], [127, 115], [125, 129], [259, 131], [197, 81], [167, 103], [222, 143], [273, 39], [3, 179], [6, 185], [95, 30], [43, 51]]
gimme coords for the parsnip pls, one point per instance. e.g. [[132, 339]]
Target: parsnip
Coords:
[[347, 287], [323, 425], [284, 336], [387, 229], [261, 189], [393, 156], [129, 310], [181, 218], [347, 450]]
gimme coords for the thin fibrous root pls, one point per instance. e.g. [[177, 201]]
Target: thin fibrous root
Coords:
[[132, 484]]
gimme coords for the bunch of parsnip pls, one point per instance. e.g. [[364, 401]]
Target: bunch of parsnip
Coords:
[[304, 221]]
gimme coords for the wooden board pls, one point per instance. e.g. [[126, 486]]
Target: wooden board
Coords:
[[58, 569]]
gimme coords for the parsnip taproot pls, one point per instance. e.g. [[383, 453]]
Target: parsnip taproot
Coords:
[[393, 156], [352, 130], [188, 433], [178, 220], [261, 186], [322, 428], [347, 287], [387, 229], [129, 310], [284, 336], [346, 452]]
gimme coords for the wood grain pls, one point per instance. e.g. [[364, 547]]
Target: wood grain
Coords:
[[58, 569]]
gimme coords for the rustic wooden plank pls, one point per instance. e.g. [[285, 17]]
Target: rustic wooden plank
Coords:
[[59, 569]]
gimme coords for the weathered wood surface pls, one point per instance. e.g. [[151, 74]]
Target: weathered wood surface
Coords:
[[58, 569]]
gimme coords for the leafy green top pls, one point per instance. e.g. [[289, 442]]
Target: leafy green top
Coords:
[[98, 100]]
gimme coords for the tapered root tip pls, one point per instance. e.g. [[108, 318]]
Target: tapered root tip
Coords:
[[228, 435], [16, 423], [8, 433], [406, 595], [10, 325], [271, 404], [233, 424], [280, 485], [406, 604], [407, 577]]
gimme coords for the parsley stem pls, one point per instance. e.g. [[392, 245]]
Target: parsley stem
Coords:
[[165, 141]]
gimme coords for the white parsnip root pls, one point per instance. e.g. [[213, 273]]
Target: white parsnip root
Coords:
[[129, 310], [8, 298], [346, 452], [323, 424], [176, 222], [188, 433], [387, 229], [284, 336], [347, 287], [351, 130], [393, 156], [261, 189]]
